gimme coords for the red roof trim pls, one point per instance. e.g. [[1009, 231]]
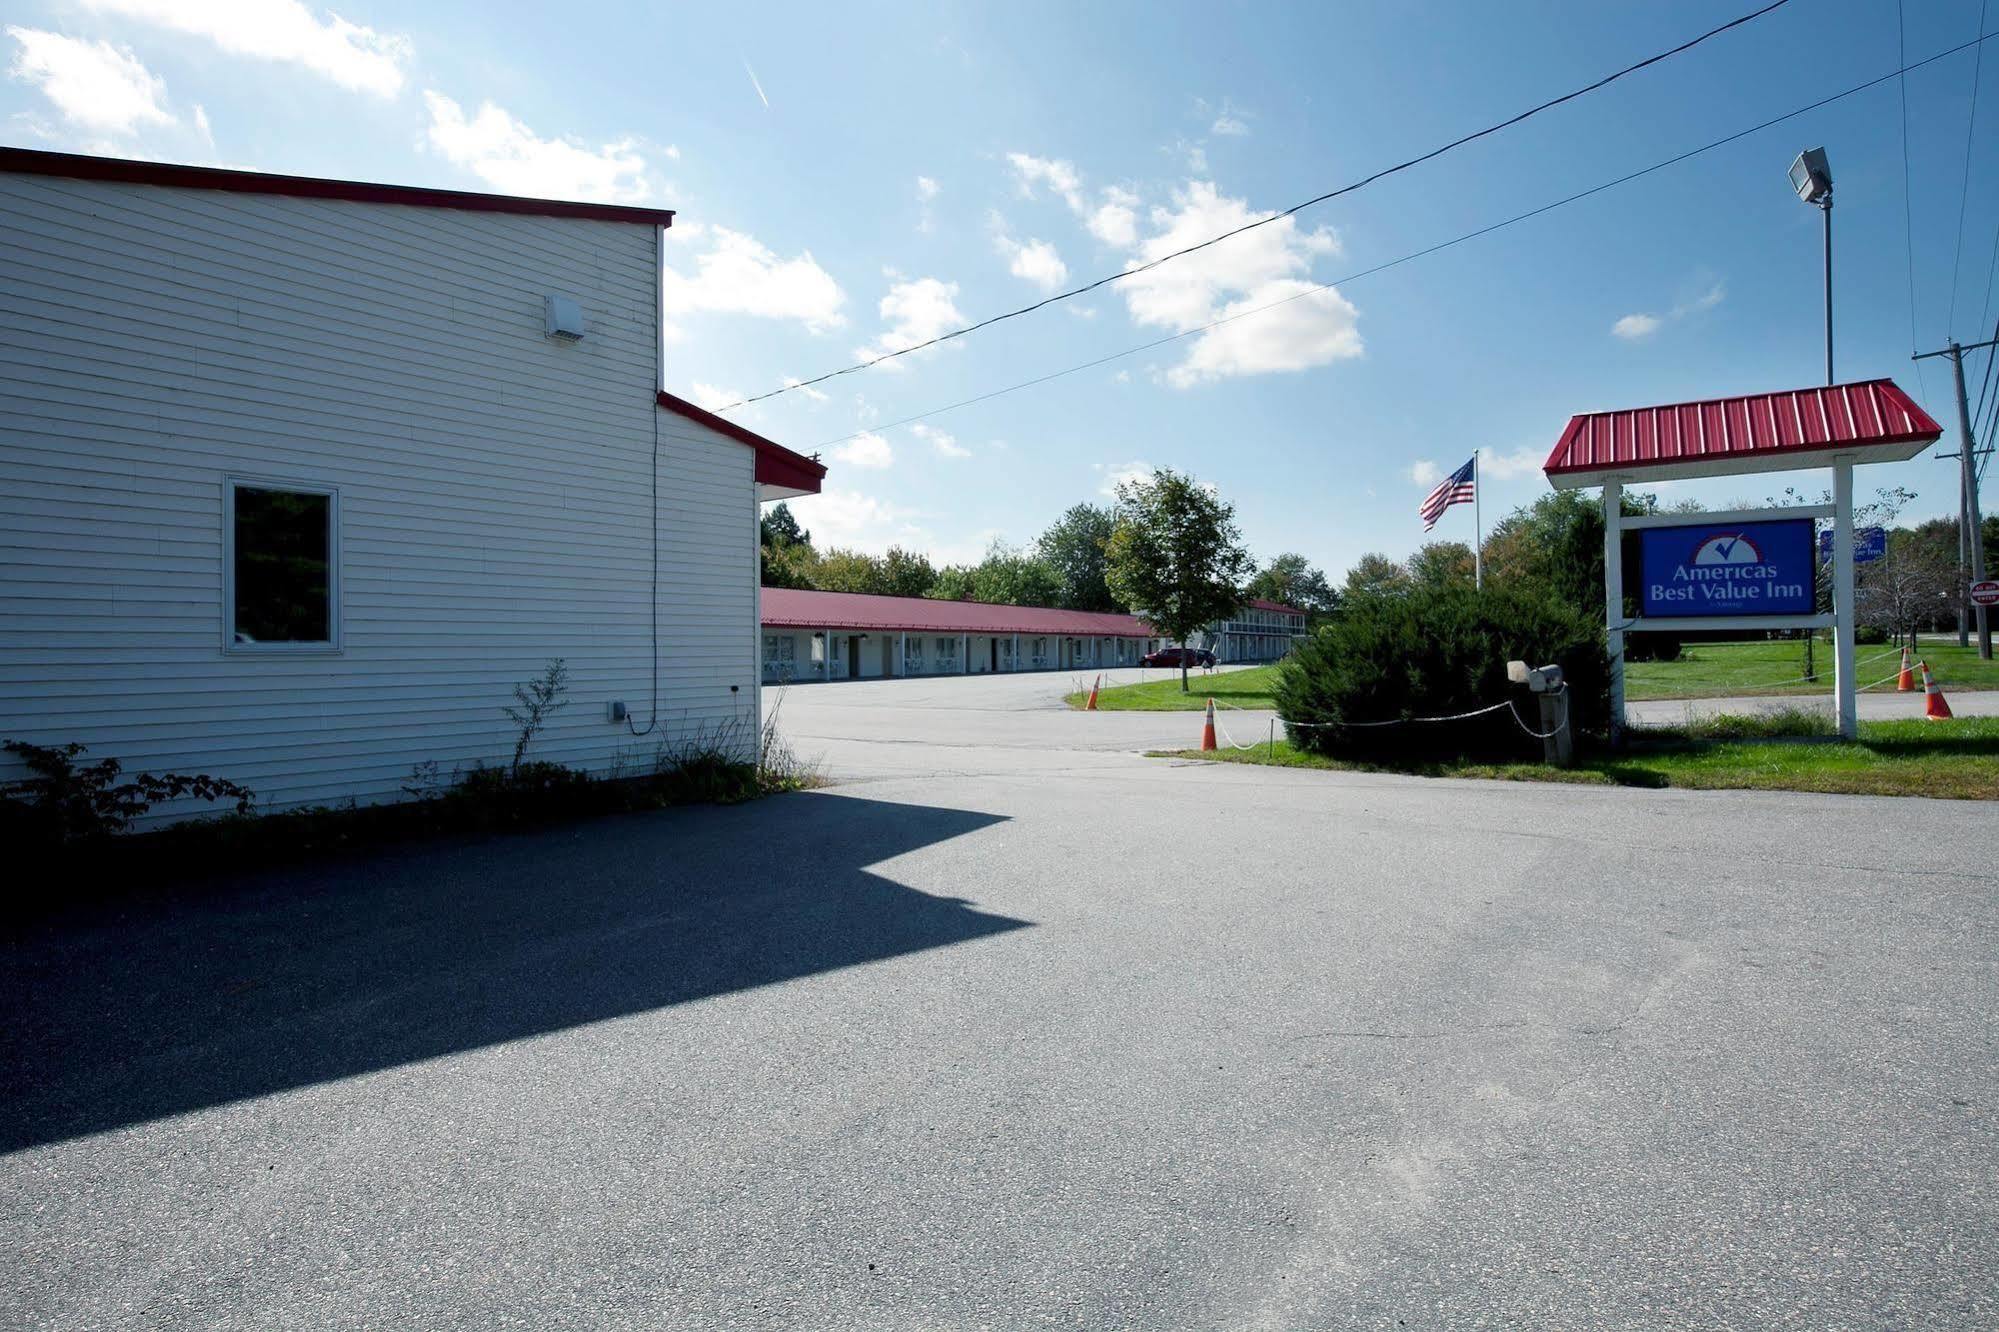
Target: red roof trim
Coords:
[[1261, 603], [776, 465], [124, 171], [1868, 413]]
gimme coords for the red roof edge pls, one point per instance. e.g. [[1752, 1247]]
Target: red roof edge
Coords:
[[77, 166], [1264, 603], [776, 465]]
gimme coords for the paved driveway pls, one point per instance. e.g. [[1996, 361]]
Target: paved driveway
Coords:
[[1083, 1040]]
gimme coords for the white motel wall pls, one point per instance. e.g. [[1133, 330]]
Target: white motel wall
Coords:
[[493, 496]]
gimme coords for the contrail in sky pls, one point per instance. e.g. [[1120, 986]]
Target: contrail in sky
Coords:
[[754, 84]]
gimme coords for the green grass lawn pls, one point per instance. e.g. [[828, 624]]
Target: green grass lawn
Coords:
[[1246, 688], [1956, 760], [1718, 670]]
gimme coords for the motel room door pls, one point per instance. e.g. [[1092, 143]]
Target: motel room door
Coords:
[[853, 656], [993, 643]]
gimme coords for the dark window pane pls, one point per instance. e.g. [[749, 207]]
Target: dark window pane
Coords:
[[283, 545]]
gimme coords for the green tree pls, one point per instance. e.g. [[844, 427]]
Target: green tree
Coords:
[[1442, 564], [841, 570], [954, 582], [1374, 573], [1012, 577], [1074, 547], [790, 566], [906, 573], [779, 528], [1293, 580], [1176, 556]]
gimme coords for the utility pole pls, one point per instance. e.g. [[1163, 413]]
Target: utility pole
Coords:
[[1970, 525]]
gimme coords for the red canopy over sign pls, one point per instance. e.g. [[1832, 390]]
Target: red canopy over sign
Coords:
[[1870, 421]]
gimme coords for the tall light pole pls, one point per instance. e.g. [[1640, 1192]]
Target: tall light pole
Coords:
[[1811, 177]]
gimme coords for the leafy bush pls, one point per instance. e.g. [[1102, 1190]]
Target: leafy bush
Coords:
[[1870, 635], [1653, 647], [1439, 651], [67, 802]]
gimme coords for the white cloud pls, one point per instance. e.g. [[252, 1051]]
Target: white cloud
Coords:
[[793, 382], [1059, 176], [1034, 261], [509, 156], [946, 445], [1271, 264], [916, 311], [1642, 325], [1121, 377], [848, 518], [737, 275], [1317, 328], [866, 449], [1425, 473], [1197, 156], [201, 125], [1228, 126], [1635, 326], [711, 397], [1521, 462], [94, 84], [1115, 220], [926, 193], [357, 58], [1112, 475]]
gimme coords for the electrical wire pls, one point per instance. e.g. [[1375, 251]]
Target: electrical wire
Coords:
[[1970, 128], [1322, 287], [1349, 188]]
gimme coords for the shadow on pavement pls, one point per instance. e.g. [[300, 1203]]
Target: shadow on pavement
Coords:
[[125, 1013]]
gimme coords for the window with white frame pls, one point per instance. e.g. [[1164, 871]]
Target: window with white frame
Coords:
[[280, 567], [947, 650]]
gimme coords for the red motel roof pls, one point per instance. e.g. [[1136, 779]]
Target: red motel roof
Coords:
[[856, 610], [79, 166], [1869, 421], [1260, 603]]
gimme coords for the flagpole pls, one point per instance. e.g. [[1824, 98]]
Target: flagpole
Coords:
[[1478, 528]]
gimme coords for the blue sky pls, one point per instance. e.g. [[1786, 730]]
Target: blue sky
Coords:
[[849, 178]]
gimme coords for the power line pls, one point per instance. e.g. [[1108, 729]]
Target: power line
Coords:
[[1414, 254], [1970, 126], [1363, 182]]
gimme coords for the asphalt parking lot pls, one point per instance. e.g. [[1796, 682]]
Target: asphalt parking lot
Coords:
[[1014, 1029]]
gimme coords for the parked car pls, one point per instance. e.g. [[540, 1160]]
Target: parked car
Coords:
[[1177, 656]]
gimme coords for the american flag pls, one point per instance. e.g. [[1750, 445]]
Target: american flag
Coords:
[[1460, 487]]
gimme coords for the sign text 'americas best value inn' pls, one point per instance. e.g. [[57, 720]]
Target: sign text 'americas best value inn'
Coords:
[[1741, 569]]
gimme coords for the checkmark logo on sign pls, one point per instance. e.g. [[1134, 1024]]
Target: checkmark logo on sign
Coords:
[[1726, 548]]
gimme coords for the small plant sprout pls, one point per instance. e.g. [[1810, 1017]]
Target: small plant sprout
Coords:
[[535, 701]]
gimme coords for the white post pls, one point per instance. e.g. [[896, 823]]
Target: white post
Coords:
[[1613, 600], [1016, 652], [902, 662], [965, 654], [1477, 525], [1842, 600]]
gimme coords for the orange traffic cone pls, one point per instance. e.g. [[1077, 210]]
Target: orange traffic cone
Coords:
[[1934, 706], [1905, 683], [1208, 729], [1091, 706]]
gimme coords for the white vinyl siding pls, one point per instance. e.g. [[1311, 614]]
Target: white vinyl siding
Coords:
[[494, 490]]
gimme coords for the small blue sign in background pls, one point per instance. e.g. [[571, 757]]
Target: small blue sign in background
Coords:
[[1731, 569], [1869, 544]]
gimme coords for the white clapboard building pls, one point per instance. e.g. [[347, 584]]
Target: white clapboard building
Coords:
[[299, 477]]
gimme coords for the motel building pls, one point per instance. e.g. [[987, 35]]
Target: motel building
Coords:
[[1261, 631], [850, 635], [303, 476]]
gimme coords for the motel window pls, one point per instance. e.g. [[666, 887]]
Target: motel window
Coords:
[[947, 649], [281, 567]]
